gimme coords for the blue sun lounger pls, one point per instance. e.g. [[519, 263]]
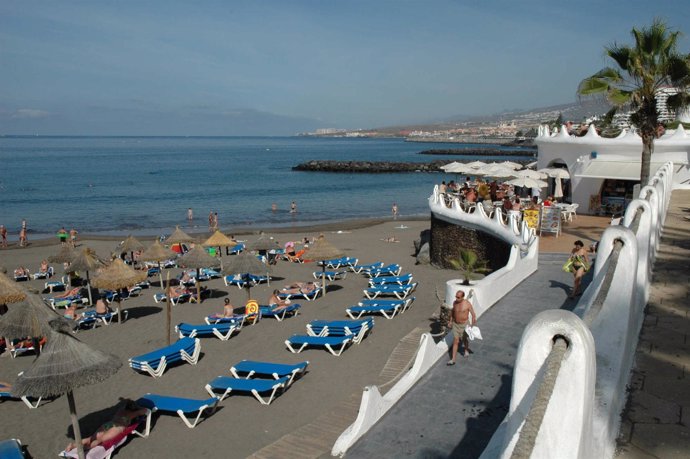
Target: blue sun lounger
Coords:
[[366, 268], [311, 296], [388, 308], [399, 291], [11, 449], [248, 368], [184, 407], [334, 344], [279, 314], [6, 395], [338, 262], [228, 384], [330, 275], [238, 320], [158, 297], [239, 280], [155, 363], [222, 331], [393, 269], [400, 280], [358, 329]]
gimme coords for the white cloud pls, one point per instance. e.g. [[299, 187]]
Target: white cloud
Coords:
[[29, 113]]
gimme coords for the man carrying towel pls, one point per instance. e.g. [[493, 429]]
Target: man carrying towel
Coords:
[[460, 317]]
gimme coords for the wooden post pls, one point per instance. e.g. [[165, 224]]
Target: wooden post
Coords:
[[75, 424], [168, 308]]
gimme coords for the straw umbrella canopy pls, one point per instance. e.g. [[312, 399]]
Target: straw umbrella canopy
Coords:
[[86, 260], [27, 319], [264, 243], [322, 250], [65, 364], [158, 252], [131, 245], [9, 291], [178, 237], [198, 258], [246, 264], [219, 240], [117, 275]]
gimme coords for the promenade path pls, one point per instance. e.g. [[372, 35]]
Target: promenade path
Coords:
[[454, 411]]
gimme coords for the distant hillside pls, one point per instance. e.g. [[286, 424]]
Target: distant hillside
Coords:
[[575, 111]]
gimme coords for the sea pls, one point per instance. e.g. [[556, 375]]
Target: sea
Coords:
[[144, 185]]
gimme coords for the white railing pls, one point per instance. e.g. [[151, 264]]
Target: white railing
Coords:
[[484, 293], [611, 311]]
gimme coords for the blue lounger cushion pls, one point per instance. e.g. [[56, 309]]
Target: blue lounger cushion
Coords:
[[399, 291], [368, 267], [155, 362], [228, 384], [338, 327], [249, 368], [179, 405], [401, 280], [279, 313], [11, 449]]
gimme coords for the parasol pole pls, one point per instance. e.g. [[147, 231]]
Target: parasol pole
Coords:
[[160, 275], [119, 304], [75, 424], [198, 284], [168, 308], [88, 286]]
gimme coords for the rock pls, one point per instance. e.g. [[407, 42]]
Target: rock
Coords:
[[424, 256]]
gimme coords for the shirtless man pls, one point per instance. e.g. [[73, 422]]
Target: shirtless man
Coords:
[[459, 320], [3, 235]]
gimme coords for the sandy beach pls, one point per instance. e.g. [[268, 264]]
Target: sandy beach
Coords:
[[241, 425]]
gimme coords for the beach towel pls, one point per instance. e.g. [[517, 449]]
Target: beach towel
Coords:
[[473, 332]]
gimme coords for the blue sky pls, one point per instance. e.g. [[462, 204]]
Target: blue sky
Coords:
[[281, 67]]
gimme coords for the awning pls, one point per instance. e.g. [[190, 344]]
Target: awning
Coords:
[[628, 170]]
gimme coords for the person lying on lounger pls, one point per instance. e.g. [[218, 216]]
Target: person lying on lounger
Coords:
[[21, 272], [122, 419], [44, 267], [301, 287], [102, 307], [71, 312], [67, 294], [177, 291]]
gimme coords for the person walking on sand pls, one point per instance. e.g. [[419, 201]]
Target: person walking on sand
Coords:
[[394, 209], [3, 235], [215, 221], [459, 319], [23, 241], [73, 237], [62, 236], [210, 221]]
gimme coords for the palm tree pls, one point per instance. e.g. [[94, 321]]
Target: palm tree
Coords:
[[469, 264], [643, 69]]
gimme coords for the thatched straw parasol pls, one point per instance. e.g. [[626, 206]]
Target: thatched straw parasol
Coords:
[[178, 237], [65, 364], [117, 275], [198, 258], [86, 260], [9, 291], [131, 244], [219, 240], [27, 319], [246, 264], [322, 250], [158, 252], [264, 243]]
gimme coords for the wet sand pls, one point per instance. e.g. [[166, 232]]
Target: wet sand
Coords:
[[241, 425]]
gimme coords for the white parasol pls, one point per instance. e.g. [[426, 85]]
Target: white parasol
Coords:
[[527, 182]]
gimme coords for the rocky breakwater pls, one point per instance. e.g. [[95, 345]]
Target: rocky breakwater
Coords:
[[371, 167]]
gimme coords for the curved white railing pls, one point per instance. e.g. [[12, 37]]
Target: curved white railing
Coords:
[[522, 261], [612, 310]]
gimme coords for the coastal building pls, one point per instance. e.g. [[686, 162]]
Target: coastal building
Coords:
[[605, 171]]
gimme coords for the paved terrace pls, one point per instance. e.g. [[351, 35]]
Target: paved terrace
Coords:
[[454, 411]]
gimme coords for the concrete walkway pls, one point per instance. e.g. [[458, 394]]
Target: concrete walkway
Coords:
[[656, 422], [454, 411]]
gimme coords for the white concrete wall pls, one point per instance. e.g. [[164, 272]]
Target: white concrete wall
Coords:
[[483, 294], [591, 425]]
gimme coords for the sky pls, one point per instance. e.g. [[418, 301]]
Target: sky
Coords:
[[282, 67]]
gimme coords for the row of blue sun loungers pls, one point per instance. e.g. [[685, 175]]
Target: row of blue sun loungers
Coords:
[[223, 331], [241, 381], [339, 262], [399, 291], [330, 275], [387, 308], [155, 362], [334, 336]]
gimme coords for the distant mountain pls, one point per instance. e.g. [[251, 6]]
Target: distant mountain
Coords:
[[575, 111]]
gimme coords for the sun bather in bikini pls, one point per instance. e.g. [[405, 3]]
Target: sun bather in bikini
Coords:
[[122, 419]]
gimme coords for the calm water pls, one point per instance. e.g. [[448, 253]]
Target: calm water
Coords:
[[145, 184]]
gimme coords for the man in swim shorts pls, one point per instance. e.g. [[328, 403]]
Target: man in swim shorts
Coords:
[[460, 317]]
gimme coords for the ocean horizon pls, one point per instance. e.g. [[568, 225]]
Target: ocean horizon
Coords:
[[116, 185]]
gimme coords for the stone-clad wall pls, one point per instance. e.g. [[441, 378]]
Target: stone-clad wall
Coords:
[[447, 239]]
